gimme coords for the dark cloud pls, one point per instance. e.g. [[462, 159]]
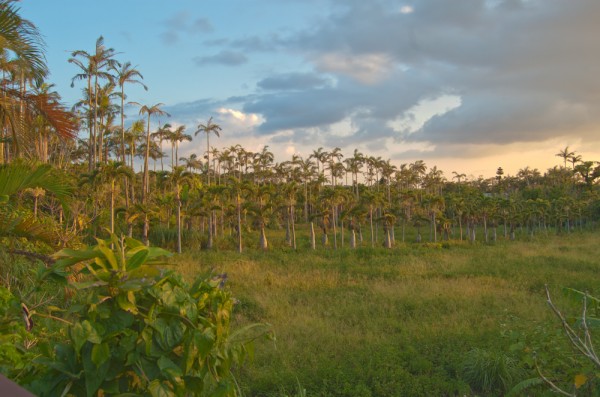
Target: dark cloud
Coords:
[[225, 57], [525, 71], [256, 43], [190, 112], [292, 81]]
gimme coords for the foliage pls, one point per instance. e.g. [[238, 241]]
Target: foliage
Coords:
[[490, 371], [579, 336], [13, 334], [141, 329]]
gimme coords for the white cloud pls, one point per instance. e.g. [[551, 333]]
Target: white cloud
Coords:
[[415, 118], [406, 10], [240, 118]]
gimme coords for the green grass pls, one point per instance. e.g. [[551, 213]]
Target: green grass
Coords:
[[376, 322]]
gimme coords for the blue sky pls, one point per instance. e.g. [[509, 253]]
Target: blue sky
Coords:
[[467, 85]]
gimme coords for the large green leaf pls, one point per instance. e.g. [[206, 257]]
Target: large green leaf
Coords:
[[160, 389], [171, 370], [137, 259], [100, 353]]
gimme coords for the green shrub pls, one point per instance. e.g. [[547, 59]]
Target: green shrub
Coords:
[[490, 371], [142, 330]]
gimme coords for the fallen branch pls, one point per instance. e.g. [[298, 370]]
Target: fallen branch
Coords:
[[32, 255]]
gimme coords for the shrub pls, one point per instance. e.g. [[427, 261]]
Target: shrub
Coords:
[[490, 372], [142, 330]]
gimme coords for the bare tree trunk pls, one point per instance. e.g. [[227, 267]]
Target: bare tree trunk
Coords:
[[485, 229], [239, 225], [209, 243], [293, 227], [263, 243], [313, 244], [352, 238], [372, 233], [333, 215], [145, 230], [387, 243]]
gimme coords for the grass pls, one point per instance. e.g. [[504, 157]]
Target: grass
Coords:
[[375, 322]]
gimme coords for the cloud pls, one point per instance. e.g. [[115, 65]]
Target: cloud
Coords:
[[292, 81], [239, 118], [516, 72], [183, 24], [367, 68], [525, 71], [225, 57]]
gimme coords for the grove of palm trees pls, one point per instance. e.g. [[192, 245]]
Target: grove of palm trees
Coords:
[[93, 202]]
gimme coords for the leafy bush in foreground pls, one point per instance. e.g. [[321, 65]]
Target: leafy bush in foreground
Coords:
[[141, 330]]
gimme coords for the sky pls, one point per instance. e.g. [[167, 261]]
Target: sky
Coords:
[[464, 85]]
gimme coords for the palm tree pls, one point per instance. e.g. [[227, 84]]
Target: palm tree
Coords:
[[192, 162], [208, 128], [321, 157], [236, 187], [574, 159], [126, 74], [565, 154], [110, 171], [178, 177], [16, 178], [21, 39], [150, 111], [93, 66], [178, 135], [162, 134], [106, 112], [290, 190]]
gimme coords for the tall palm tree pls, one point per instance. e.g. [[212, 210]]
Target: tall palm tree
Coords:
[[22, 51], [126, 74], [208, 128], [162, 134], [178, 135], [94, 66], [150, 111], [565, 154], [179, 176]]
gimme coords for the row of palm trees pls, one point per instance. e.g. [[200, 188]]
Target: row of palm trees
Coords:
[[229, 192], [235, 205]]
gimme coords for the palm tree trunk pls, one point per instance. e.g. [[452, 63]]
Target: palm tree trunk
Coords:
[[145, 230], [485, 229], [207, 159], [372, 233], [178, 200], [263, 243], [293, 228], [209, 243], [146, 180], [239, 224], [112, 206], [388, 240], [333, 215], [313, 243]]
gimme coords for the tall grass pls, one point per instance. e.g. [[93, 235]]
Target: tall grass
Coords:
[[376, 322]]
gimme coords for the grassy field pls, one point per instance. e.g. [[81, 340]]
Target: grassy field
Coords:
[[376, 322]]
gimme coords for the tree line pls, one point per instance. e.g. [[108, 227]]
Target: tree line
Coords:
[[215, 198]]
